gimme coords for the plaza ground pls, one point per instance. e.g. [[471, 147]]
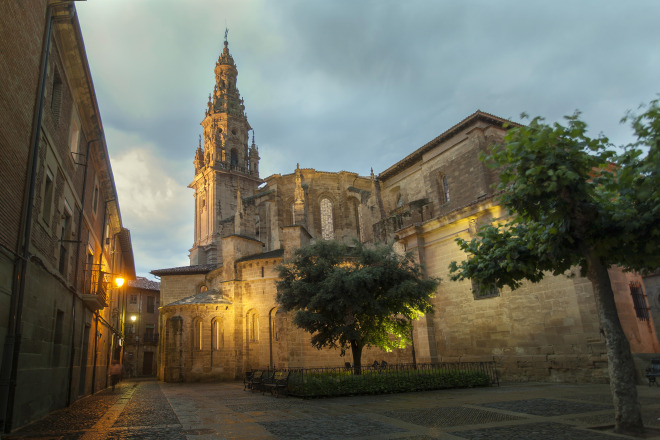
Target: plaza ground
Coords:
[[146, 409]]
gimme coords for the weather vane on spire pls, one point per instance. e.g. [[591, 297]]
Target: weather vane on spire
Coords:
[[226, 32]]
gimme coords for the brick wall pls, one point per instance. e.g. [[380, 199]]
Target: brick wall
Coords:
[[21, 33]]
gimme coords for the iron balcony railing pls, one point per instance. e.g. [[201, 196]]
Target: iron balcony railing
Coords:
[[95, 284]]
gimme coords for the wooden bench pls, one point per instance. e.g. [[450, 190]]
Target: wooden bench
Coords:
[[278, 384], [653, 371]]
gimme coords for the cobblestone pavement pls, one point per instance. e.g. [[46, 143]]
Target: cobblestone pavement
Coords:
[[153, 410]]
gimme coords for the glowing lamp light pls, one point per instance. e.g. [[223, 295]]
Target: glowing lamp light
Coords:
[[133, 318], [119, 281]]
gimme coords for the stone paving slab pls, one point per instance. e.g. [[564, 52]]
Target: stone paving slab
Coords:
[[535, 431], [153, 410], [547, 407], [449, 416], [148, 406], [319, 428]]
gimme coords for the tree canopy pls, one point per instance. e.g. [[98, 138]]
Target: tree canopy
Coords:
[[574, 200], [354, 295]]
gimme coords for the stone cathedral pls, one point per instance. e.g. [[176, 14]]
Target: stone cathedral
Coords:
[[219, 317]]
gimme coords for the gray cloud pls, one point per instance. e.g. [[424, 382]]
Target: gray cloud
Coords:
[[353, 85]]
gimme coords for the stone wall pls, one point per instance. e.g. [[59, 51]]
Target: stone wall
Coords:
[[176, 287], [545, 331]]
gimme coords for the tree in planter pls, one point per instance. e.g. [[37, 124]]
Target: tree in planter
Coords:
[[574, 201], [354, 296]]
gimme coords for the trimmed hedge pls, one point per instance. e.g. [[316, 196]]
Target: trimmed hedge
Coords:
[[323, 383]]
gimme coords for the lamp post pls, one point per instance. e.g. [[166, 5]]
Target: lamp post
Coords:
[[137, 342]]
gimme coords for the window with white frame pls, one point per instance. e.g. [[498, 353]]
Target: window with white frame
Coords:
[[481, 291]]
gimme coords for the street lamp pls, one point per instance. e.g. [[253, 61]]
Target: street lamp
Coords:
[[119, 281], [133, 319]]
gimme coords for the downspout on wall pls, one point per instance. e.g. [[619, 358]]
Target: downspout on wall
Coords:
[[12, 347], [75, 276]]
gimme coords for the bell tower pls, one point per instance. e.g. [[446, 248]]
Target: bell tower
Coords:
[[225, 165]]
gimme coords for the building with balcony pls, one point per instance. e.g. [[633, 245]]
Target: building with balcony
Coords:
[[63, 245], [141, 327]]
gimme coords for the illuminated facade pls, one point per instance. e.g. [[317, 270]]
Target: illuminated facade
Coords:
[[219, 316]]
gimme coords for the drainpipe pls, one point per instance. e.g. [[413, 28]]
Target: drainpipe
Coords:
[[75, 275], [12, 347], [96, 313], [96, 338]]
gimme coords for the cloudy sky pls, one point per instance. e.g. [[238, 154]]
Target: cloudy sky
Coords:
[[345, 84]]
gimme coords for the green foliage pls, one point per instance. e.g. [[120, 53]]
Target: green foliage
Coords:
[[568, 195], [354, 296], [343, 383]]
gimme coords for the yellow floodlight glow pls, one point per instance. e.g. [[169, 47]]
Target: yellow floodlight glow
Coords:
[[133, 318], [119, 281]]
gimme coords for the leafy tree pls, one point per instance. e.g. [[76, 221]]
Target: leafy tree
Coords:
[[574, 201], [354, 296]]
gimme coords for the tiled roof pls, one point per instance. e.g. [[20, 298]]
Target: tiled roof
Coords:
[[185, 270], [211, 296], [144, 283]]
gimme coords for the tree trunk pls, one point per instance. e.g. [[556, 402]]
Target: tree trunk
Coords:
[[356, 348], [628, 416]]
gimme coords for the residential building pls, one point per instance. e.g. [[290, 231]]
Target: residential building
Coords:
[[141, 332], [62, 241]]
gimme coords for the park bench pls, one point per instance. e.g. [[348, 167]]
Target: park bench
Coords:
[[278, 384], [258, 383], [247, 378], [653, 371], [251, 379]]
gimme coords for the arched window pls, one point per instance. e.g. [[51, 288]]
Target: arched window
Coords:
[[198, 334], [327, 226], [217, 334], [399, 201], [257, 227], [253, 325], [358, 218], [233, 157], [443, 188]]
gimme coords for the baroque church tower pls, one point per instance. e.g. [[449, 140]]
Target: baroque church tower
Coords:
[[226, 168]]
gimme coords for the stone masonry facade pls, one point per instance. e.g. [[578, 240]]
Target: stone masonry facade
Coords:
[[219, 316]]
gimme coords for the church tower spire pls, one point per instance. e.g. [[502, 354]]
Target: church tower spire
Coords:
[[223, 163]]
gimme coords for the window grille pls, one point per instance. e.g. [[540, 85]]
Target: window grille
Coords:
[[484, 291], [639, 301], [445, 188]]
